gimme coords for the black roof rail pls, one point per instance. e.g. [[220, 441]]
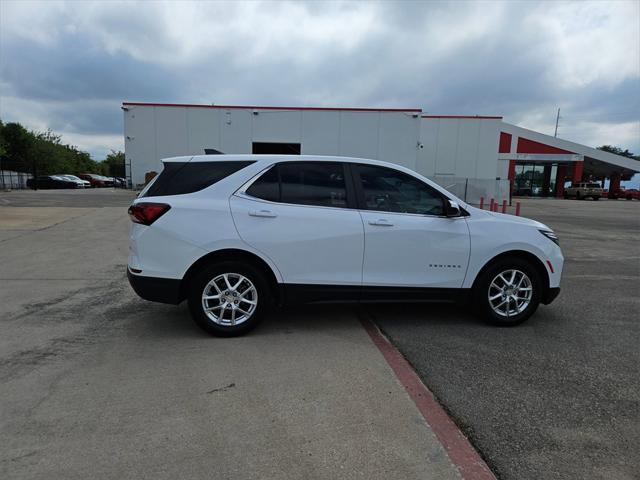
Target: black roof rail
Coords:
[[212, 151]]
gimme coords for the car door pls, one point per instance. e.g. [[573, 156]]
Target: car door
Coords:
[[408, 240], [300, 215]]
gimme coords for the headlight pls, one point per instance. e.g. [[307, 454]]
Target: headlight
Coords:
[[551, 236]]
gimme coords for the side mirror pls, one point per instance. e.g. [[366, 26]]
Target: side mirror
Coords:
[[451, 208]]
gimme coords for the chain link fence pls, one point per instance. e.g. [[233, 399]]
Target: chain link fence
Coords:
[[13, 175], [471, 190], [12, 180]]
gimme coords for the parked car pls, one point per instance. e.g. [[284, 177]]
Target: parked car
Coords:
[[97, 180], [236, 234], [627, 193], [79, 182], [108, 181], [584, 190], [523, 192], [120, 182], [47, 182]]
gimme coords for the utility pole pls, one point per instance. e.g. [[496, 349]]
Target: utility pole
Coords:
[[557, 120]]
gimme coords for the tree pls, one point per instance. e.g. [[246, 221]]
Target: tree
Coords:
[[41, 153], [619, 151], [3, 143], [113, 165], [18, 145]]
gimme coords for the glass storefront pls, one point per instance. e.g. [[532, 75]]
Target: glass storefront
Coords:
[[535, 179]]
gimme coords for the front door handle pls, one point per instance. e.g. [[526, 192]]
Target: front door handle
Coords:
[[262, 213], [381, 222]]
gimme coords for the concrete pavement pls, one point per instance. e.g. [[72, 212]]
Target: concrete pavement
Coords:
[[559, 396], [97, 383]]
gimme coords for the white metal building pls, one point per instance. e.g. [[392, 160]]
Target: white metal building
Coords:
[[471, 156]]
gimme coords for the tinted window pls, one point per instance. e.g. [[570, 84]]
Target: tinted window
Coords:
[[318, 183], [266, 187], [308, 183], [389, 190], [187, 177]]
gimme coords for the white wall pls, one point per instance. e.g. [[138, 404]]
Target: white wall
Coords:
[[156, 132], [460, 153], [460, 147]]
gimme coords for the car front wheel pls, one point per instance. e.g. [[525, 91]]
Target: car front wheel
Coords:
[[228, 299], [508, 292]]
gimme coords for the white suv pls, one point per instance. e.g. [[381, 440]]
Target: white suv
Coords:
[[235, 234]]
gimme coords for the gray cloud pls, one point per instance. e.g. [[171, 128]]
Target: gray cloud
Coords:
[[73, 64]]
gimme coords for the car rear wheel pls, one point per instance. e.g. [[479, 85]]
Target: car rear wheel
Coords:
[[596, 198], [228, 299], [508, 292]]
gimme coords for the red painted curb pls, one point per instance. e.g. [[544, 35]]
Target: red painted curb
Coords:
[[460, 451]]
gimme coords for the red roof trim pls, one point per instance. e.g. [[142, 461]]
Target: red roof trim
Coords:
[[462, 116], [531, 146], [255, 107]]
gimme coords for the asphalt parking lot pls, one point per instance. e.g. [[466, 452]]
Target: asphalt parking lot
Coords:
[[98, 383], [559, 396]]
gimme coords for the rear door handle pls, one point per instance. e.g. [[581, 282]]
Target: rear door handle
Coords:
[[262, 213], [381, 223]]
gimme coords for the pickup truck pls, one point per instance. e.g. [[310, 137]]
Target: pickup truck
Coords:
[[583, 190]]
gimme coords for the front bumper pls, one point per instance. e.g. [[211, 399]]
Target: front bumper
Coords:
[[154, 289], [552, 294]]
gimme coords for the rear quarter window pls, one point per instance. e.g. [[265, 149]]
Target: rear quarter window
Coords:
[[178, 178]]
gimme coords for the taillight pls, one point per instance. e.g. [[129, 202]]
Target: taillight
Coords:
[[147, 213]]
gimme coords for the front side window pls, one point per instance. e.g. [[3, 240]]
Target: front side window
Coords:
[[303, 183], [389, 190]]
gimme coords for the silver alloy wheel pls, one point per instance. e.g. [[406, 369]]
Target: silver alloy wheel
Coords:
[[510, 293], [229, 299]]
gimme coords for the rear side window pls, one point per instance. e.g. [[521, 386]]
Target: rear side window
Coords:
[[267, 187], [187, 177], [303, 183]]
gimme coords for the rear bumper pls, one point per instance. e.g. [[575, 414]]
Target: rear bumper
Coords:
[[552, 294], [154, 289]]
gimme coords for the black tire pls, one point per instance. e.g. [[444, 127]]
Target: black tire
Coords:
[[210, 272], [578, 196], [481, 304], [596, 198], [565, 195]]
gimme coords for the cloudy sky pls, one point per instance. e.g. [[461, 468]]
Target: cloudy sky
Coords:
[[68, 66]]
